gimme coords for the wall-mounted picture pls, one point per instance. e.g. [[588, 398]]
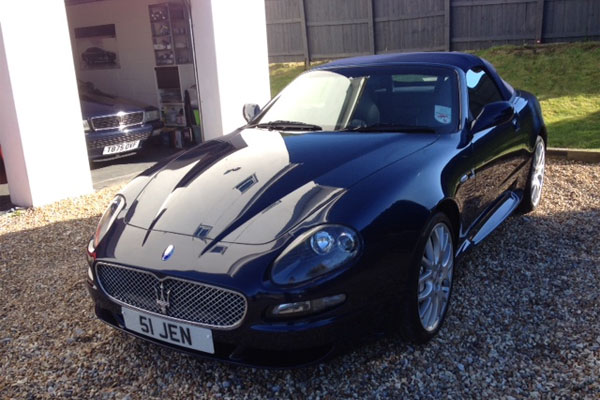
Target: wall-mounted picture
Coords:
[[97, 47]]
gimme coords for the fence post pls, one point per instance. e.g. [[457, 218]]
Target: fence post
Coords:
[[447, 25], [539, 23], [304, 32], [371, 27]]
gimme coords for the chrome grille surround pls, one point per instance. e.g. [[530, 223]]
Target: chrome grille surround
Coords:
[[121, 120], [102, 142], [190, 302]]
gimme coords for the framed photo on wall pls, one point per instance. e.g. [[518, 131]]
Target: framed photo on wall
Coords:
[[97, 47]]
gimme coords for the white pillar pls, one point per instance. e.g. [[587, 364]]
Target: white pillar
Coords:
[[41, 132], [232, 60]]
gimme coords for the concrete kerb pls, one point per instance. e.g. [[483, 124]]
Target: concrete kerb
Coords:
[[583, 155]]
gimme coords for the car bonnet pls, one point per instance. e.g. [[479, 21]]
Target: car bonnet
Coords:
[[254, 185]]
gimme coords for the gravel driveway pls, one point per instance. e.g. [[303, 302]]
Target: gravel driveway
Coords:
[[524, 320]]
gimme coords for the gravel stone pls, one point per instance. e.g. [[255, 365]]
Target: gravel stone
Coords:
[[523, 321]]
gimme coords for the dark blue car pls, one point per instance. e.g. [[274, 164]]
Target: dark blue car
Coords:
[[115, 126], [337, 212]]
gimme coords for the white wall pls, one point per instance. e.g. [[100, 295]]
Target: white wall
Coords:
[[135, 79], [233, 68], [40, 117]]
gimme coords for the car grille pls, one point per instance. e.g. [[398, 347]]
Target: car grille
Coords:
[[189, 301], [116, 139], [116, 121]]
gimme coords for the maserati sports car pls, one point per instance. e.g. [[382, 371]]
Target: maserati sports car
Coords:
[[337, 213]]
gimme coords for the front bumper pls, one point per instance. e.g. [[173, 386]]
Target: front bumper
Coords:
[[97, 141], [275, 344], [370, 285]]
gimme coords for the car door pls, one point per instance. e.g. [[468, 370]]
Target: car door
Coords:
[[493, 148]]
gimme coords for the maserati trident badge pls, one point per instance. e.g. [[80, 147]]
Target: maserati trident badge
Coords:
[[162, 298], [168, 252]]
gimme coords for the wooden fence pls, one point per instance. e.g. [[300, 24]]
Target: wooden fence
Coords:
[[306, 30]]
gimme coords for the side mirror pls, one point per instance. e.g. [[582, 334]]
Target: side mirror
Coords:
[[250, 111], [493, 114]]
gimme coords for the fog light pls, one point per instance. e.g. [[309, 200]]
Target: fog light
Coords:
[[309, 306], [292, 308]]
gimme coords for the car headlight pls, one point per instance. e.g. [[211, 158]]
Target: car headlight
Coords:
[[152, 115], [317, 252], [86, 125], [108, 218]]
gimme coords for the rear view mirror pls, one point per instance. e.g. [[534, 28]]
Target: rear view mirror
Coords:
[[250, 111], [493, 114]]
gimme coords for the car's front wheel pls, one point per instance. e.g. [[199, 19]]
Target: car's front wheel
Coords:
[[429, 285]]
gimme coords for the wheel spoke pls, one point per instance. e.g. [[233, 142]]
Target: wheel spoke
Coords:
[[424, 309], [539, 169], [535, 189], [435, 239], [540, 163], [426, 293], [435, 308], [426, 263], [429, 250], [447, 271], [447, 257], [425, 276], [430, 313]]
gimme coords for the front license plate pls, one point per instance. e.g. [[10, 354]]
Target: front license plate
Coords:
[[177, 333], [121, 147]]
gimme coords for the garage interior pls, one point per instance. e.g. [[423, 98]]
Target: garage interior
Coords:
[[153, 66], [151, 42], [141, 53]]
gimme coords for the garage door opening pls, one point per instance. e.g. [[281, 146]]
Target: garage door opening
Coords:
[[134, 62]]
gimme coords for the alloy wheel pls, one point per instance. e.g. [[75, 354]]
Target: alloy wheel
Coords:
[[537, 175], [435, 277]]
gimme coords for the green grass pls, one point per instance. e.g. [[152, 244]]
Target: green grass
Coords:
[[564, 77], [566, 80]]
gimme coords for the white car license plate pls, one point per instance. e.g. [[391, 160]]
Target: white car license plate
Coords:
[[177, 333], [121, 147]]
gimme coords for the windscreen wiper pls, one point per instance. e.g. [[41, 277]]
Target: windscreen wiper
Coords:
[[288, 125], [391, 128]]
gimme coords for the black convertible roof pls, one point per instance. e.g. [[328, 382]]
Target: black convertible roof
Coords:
[[461, 60]]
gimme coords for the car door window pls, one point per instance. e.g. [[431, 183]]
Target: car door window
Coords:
[[482, 90]]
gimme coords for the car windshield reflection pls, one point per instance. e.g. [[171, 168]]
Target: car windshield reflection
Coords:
[[393, 99]]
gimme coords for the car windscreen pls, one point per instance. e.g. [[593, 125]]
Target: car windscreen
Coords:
[[411, 98]]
